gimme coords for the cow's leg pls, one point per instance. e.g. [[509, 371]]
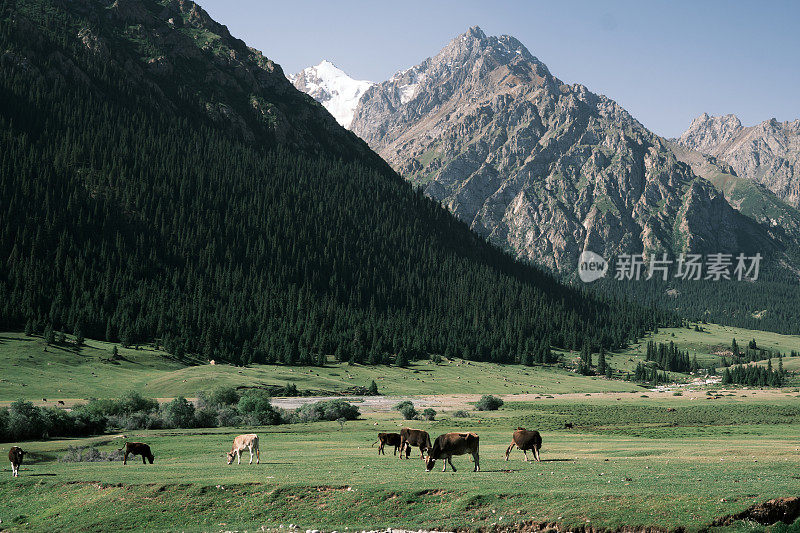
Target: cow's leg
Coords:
[[380, 449], [238, 457], [475, 459], [508, 450], [421, 451], [125, 459], [524, 451], [258, 456], [536, 454], [395, 449], [13, 470], [450, 461], [402, 447], [250, 449], [144, 460]]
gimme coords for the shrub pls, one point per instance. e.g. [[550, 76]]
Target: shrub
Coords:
[[179, 413], [488, 403], [206, 418], [326, 410], [228, 416], [677, 393], [224, 396], [406, 409], [429, 414], [461, 414], [256, 408]]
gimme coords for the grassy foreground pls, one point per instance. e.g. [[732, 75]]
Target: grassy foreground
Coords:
[[628, 463]]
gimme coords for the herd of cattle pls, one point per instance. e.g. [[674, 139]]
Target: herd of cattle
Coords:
[[444, 447]]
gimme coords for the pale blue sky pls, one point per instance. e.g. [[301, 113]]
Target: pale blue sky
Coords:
[[665, 62]]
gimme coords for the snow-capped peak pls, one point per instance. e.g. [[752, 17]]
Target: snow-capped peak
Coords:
[[333, 88]]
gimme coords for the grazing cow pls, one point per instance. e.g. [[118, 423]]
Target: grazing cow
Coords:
[[137, 448], [249, 441], [60, 402], [450, 444], [567, 425], [526, 440], [392, 439], [15, 455], [414, 437]]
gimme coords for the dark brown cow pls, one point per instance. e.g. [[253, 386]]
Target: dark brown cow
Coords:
[[392, 439], [15, 455], [138, 448], [450, 444], [414, 437], [526, 440]]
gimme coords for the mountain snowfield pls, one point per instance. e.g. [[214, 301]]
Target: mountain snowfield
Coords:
[[333, 88]]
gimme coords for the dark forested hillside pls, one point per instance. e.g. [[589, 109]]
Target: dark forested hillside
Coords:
[[214, 209]]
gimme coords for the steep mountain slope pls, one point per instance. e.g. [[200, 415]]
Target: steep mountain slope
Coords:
[[767, 153], [540, 167], [752, 199], [161, 182], [335, 90]]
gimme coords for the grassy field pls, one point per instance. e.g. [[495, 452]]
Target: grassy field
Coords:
[[627, 463], [28, 371], [635, 459]]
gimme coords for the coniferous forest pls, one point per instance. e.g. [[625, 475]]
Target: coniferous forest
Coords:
[[130, 213]]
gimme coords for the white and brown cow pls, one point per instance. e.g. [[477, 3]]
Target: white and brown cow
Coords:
[[450, 444], [15, 455], [250, 442]]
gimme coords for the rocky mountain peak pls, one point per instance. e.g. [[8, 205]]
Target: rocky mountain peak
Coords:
[[768, 153], [333, 88], [537, 166]]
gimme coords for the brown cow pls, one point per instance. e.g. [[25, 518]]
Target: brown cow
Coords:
[[450, 444], [526, 440], [15, 455], [414, 437], [137, 448], [392, 439], [249, 442]]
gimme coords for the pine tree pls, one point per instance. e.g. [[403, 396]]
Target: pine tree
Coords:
[[601, 362], [78, 332], [373, 388]]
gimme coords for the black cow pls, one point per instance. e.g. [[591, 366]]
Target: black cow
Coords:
[[414, 437], [392, 439], [137, 448], [526, 440], [15, 455], [450, 444]]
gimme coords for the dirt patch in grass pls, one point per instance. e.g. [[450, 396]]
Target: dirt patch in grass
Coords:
[[785, 510]]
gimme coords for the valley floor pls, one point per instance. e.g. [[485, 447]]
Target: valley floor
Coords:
[[634, 459]]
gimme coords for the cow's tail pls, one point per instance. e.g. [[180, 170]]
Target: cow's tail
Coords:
[[374, 443]]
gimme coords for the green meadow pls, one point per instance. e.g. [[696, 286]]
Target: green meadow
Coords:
[[633, 460], [627, 463]]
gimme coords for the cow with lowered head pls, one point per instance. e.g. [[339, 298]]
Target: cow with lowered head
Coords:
[[526, 440], [414, 437], [138, 448], [15, 455], [248, 442], [450, 444]]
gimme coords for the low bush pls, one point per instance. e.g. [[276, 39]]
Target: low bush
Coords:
[[429, 414], [461, 414], [329, 410], [488, 403], [406, 409]]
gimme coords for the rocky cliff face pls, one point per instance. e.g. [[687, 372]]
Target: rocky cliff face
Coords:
[[768, 153], [538, 166]]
